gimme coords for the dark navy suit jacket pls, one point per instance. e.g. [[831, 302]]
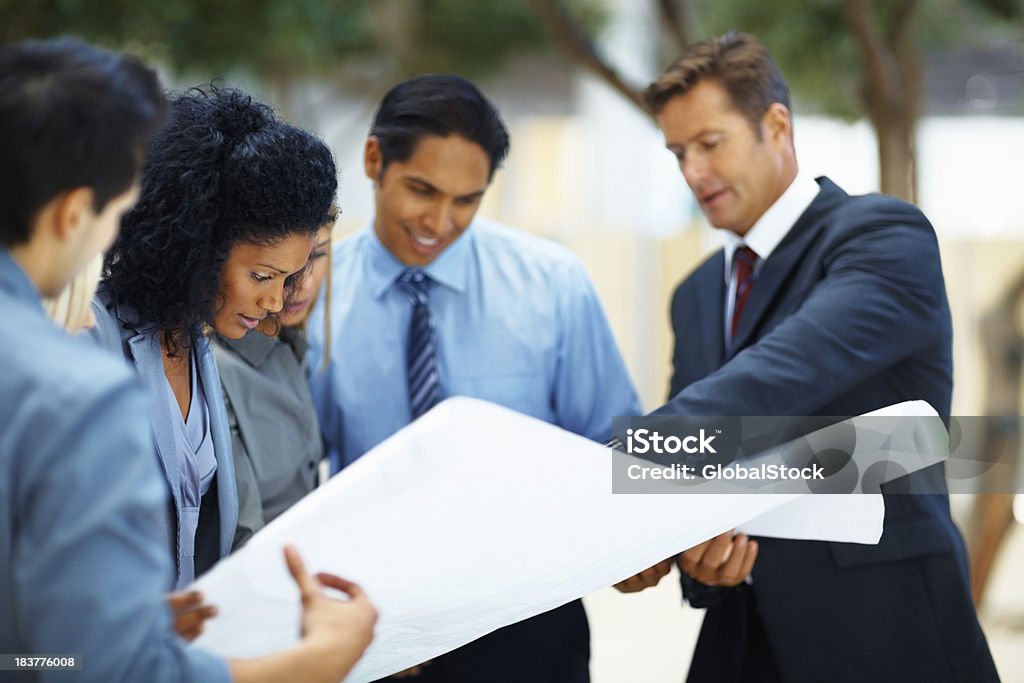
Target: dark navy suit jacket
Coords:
[[847, 315]]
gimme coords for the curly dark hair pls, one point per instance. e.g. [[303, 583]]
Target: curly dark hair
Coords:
[[224, 169]]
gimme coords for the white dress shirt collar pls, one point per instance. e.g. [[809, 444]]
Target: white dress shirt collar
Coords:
[[773, 226]]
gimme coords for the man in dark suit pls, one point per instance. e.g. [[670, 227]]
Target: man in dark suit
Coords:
[[819, 304]]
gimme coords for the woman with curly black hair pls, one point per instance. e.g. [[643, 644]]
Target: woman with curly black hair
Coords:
[[275, 434], [231, 200]]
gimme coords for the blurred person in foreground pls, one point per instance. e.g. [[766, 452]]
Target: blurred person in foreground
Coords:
[[820, 303], [431, 301], [230, 204], [80, 570], [275, 436]]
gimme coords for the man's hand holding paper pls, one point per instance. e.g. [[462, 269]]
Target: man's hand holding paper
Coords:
[[725, 560], [648, 578]]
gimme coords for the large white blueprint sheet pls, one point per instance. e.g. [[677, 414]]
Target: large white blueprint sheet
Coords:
[[475, 517]]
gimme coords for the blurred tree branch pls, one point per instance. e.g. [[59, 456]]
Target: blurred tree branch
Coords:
[[572, 38], [676, 22]]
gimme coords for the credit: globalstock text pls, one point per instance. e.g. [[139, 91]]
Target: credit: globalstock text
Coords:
[[734, 471], [645, 441]]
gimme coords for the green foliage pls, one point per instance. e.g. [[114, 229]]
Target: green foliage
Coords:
[[811, 41], [455, 35], [285, 37], [265, 35], [268, 36], [474, 37]]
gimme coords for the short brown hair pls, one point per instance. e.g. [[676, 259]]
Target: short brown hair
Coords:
[[739, 61]]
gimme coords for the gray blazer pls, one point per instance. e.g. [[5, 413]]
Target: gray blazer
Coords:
[[119, 329], [275, 434]]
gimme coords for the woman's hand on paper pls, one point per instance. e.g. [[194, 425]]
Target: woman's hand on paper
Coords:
[[189, 612]]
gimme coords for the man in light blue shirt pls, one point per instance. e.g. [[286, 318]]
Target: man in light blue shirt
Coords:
[[430, 301], [81, 573]]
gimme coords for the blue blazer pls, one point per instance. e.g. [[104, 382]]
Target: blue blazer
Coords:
[[118, 329], [847, 315]]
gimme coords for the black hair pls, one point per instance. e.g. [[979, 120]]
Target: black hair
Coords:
[[224, 170], [71, 116], [437, 105]]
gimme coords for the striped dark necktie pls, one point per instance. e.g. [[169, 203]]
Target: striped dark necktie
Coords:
[[421, 353], [744, 264]]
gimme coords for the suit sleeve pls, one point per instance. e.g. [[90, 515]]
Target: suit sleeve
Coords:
[[881, 299]]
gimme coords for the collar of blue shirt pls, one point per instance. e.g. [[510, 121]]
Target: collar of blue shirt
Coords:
[[14, 280], [448, 269]]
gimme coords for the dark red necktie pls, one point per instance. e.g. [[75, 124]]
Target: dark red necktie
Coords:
[[744, 261]]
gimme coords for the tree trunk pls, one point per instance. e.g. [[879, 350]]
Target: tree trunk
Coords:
[[992, 518], [897, 156], [890, 90]]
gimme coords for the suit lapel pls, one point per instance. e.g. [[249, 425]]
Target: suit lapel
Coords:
[[711, 318], [780, 265], [227, 491], [148, 357]]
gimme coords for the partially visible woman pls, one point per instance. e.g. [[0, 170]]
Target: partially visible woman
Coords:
[[230, 202], [70, 309], [275, 435]]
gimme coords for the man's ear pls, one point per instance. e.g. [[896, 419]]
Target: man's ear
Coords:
[[373, 160], [72, 212], [777, 123]]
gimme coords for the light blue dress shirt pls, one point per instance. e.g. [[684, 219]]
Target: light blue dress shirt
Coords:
[[80, 569], [196, 457], [517, 322]]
